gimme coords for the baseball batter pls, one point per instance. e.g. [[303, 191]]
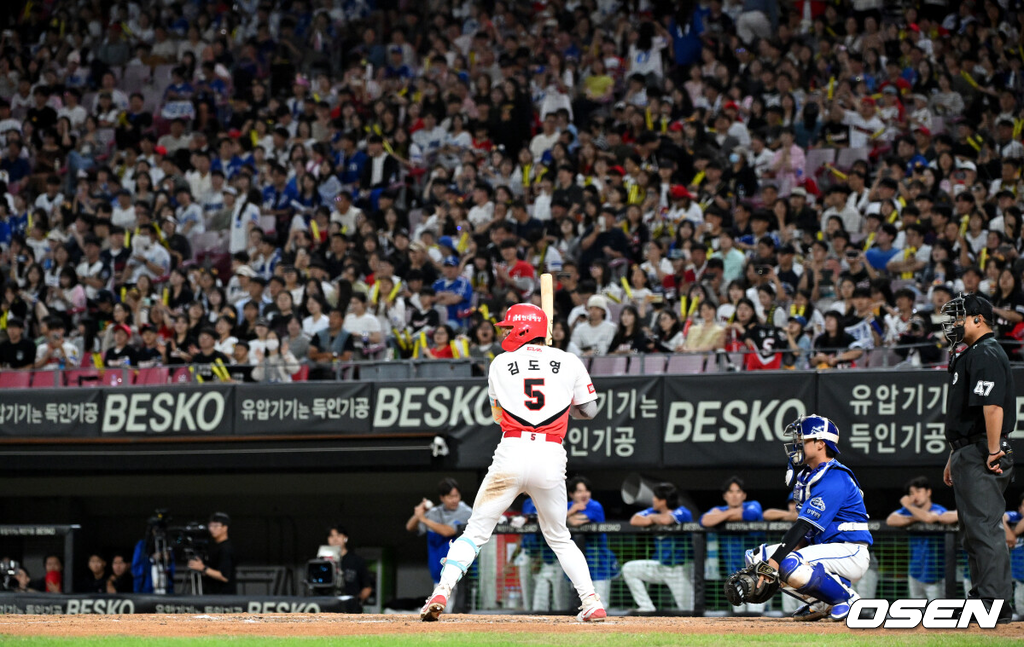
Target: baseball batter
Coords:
[[826, 550], [533, 389]]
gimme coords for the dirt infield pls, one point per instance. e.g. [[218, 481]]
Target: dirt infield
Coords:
[[346, 625]]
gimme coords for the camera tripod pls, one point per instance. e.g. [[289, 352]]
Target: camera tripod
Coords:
[[195, 579]]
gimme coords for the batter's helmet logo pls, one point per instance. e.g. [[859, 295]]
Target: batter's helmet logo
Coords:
[[527, 321]]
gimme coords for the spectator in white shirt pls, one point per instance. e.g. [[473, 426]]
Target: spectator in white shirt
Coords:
[[430, 138], [245, 215], [189, 214], [72, 109], [362, 325], [148, 256], [482, 211], [595, 335], [124, 211], [544, 140], [864, 123], [225, 340], [346, 214], [52, 197], [199, 179], [317, 320]]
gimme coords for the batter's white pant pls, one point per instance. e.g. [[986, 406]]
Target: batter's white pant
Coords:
[[537, 468], [921, 591], [678, 579], [1018, 597]]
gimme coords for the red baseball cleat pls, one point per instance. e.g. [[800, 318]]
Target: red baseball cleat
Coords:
[[433, 609], [592, 610]]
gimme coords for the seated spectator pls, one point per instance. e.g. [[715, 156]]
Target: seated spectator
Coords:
[[120, 580], [667, 334], [225, 343], [153, 351], [706, 333], [55, 352], [53, 581], [835, 347], [799, 344], [362, 326], [297, 340], [148, 257], [97, 579], [17, 352], [629, 339], [332, 344], [208, 357], [443, 346], [595, 336], [120, 353], [276, 363], [453, 291]]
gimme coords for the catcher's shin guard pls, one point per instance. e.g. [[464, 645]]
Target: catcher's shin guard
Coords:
[[814, 580]]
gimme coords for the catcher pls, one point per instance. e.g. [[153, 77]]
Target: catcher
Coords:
[[826, 550]]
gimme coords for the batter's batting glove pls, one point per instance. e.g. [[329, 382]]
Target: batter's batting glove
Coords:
[[754, 584]]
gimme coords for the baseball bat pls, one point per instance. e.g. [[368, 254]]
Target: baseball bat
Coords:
[[547, 301]]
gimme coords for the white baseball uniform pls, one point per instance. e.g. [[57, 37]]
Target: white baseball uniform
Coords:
[[534, 386]]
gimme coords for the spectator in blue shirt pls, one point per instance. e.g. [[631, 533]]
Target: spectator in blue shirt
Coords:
[[731, 547], [879, 255], [924, 574], [454, 292], [672, 563], [17, 167], [227, 162], [396, 68], [601, 560], [349, 160]]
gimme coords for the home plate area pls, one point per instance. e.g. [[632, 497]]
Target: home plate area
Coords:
[[351, 625]]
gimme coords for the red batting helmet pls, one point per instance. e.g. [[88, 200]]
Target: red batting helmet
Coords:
[[527, 321]]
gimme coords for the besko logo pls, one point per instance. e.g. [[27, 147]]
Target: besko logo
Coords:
[[908, 614]]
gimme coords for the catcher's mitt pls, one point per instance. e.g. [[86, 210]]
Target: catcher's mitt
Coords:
[[742, 586]]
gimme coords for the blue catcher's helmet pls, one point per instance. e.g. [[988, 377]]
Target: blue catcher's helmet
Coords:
[[812, 427]]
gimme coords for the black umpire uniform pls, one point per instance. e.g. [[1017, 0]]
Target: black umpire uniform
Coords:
[[980, 376]]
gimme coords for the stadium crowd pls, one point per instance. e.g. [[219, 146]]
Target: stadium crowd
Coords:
[[272, 184]]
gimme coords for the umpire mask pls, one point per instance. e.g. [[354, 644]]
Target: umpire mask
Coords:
[[955, 312]]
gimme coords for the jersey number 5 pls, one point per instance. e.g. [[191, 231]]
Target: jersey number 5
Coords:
[[983, 388], [536, 401]]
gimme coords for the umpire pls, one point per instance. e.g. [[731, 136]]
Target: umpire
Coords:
[[980, 414]]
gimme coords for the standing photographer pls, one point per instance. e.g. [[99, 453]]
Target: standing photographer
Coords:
[[219, 568]]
